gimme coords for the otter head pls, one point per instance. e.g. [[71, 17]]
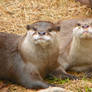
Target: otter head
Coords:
[[42, 32], [83, 30]]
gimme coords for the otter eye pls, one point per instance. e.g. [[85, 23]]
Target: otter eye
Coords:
[[28, 27], [50, 30], [35, 29], [78, 24]]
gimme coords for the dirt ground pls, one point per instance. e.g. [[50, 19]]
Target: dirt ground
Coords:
[[16, 14]]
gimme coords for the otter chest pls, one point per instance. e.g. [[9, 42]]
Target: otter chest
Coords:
[[42, 58], [81, 59]]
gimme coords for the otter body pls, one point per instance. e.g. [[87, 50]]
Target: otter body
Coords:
[[81, 55], [8, 46], [77, 54], [43, 56], [81, 46], [27, 59]]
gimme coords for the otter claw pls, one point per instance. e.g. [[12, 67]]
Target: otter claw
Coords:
[[69, 76]]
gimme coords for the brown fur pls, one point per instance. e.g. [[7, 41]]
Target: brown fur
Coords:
[[69, 56], [86, 2], [26, 63]]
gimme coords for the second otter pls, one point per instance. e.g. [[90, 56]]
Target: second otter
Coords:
[[77, 55]]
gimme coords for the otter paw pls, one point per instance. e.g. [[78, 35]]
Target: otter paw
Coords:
[[88, 74], [52, 85], [69, 76]]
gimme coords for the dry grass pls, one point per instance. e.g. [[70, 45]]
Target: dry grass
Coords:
[[79, 86], [16, 14]]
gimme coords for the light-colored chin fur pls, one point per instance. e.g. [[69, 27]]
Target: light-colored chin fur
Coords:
[[82, 34], [42, 41]]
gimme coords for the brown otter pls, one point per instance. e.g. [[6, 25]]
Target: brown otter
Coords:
[[28, 59], [77, 55], [86, 2]]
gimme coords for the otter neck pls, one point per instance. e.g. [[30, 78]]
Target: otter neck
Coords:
[[30, 50]]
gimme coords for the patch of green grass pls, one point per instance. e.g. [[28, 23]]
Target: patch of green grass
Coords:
[[87, 79], [88, 89], [57, 81], [90, 80], [84, 78], [79, 90]]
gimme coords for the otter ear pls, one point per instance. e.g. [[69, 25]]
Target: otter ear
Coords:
[[28, 27]]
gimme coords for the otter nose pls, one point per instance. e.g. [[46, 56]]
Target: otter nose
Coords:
[[41, 33], [85, 26]]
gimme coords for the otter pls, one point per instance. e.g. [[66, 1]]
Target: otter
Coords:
[[86, 2], [27, 59], [77, 54]]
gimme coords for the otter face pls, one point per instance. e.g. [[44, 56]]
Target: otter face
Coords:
[[83, 30], [42, 32]]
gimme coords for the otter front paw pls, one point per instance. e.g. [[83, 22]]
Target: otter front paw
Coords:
[[51, 85], [88, 74], [68, 76], [63, 75]]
